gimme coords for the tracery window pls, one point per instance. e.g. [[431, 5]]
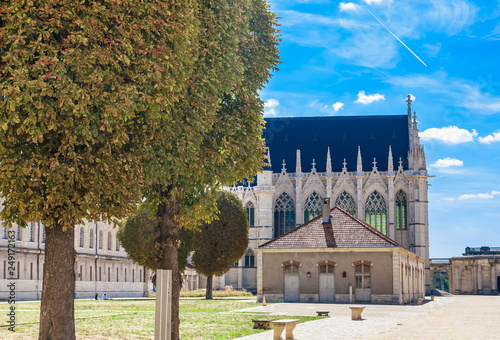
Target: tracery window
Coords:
[[284, 214], [363, 276], [313, 206], [4, 233], [91, 239], [401, 208], [109, 240], [19, 234], [81, 237], [117, 245], [249, 258], [376, 212], [43, 233], [346, 202], [250, 213]]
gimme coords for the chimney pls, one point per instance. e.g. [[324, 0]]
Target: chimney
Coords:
[[326, 211]]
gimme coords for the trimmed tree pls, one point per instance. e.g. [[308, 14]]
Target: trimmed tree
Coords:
[[78, 81], [220, 243]]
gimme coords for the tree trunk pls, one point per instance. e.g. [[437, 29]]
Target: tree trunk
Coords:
[[166, 244], [208, 294], [57, 312]]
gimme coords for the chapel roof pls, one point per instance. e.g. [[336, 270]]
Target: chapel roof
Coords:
[[314, 135], [345, 231]]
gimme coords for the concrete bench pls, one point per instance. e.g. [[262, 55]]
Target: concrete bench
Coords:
[[356, 312], [322, 313], [261, 324], [280, 325]]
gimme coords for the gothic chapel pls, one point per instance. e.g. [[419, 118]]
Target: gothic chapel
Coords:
[[373, 167]]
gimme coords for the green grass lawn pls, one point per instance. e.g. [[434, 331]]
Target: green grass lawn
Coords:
[[134, 319]]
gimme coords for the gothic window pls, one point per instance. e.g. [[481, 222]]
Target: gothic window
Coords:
[[284, 214], [363, 276], [19, 234], [32, 232], [91, 239], [117, 245], [376, 212], [81, 237], [346, 202], [401, 206], [100, 239], [109, 240], [43, 232], [4, 233], [312, 207], [249, 258], [250, 214]]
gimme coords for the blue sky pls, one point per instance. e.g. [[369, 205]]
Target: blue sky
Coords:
[[363, 58]]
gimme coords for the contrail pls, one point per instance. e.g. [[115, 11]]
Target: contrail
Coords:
[[380, 22]]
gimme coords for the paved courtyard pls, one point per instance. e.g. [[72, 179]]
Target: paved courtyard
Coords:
[[450, 317]]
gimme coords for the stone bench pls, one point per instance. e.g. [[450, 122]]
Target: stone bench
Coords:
[[280, 325], [261, 324], [356, 312], [322, 313], [420, 301]]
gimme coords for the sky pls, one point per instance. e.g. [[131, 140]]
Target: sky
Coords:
[[365, 56]]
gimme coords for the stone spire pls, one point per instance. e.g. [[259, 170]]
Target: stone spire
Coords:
[[328, 162], [400, 169], [360, 163], [283, 167], [298, 167], [390, 164], [374, 165], [344, 169], [313, 169], [269, 156], [409, 101]]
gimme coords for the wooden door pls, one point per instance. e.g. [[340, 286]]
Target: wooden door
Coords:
[[326, 287], [291, 288]]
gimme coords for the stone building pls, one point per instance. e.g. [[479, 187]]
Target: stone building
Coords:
[[476, 272], [373, 167], [101, 265], [338, 258]]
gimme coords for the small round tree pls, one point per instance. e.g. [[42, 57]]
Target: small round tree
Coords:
[[222, 242]]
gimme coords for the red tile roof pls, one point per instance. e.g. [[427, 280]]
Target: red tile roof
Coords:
[[345, 231]]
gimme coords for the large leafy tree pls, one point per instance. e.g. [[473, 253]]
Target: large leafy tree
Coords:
[[223, 241], [214, 136], [78, 82]]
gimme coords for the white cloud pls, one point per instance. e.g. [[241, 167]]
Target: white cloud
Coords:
[[337, 106], [449, 135], [495, 137], [348, 6], [368, 99], [270, 107], [369, 2], [489, 195], [449, 199], [447, 162], [329, 109]]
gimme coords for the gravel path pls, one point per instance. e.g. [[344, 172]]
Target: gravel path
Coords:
[[454, 317]]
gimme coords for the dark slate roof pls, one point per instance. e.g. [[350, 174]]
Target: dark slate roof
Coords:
[[345, 231], [313, 136]]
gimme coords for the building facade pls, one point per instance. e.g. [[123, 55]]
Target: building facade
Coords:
[[373, 167]]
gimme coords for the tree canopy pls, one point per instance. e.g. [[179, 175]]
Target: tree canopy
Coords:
[[223, 241]]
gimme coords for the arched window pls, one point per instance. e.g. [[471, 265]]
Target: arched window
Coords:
[[109, 240], [91, 239], [313, 206], [81, 237], [249, 258], [346, 202], [401, 208], [100, 239], [4, 233], [43, 232], [284, 214], [117, 245], [19, 234], [291, 269], [326, 268], [32, 232], [376, 212], [250, 213]]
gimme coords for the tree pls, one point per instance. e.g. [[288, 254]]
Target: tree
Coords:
[[213, 138], [79, 81], [136, 235], [220, 243]]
